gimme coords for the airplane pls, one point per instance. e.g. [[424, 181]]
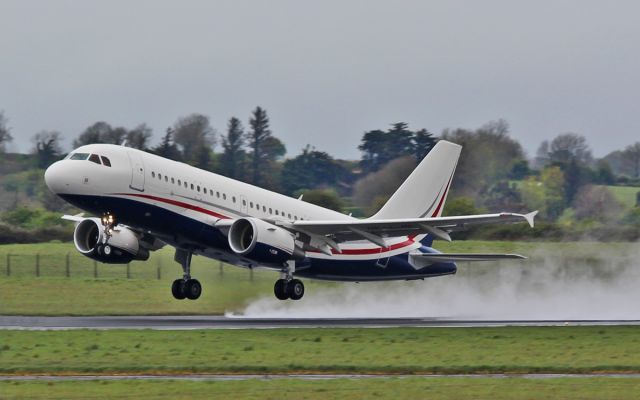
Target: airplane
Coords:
[[145, 202]]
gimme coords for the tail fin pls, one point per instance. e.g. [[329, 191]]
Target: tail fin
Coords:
[[424, 192]]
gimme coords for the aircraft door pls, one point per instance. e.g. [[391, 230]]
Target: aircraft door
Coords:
[[137, 170]]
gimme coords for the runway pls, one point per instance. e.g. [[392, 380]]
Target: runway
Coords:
[[220, 322]]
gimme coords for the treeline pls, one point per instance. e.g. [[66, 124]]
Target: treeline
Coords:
[[577, 194]]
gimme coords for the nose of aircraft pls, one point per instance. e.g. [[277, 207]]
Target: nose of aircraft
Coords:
[[54, 177]]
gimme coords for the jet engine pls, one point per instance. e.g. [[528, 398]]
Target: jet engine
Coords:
[[122, 247], [263, 242]]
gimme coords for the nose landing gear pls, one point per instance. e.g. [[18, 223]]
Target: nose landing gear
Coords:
[[186, 287]]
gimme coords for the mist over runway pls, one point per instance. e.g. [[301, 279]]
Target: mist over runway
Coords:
[[545, 287]]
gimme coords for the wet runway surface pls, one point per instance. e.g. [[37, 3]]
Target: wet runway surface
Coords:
[[220, 322]]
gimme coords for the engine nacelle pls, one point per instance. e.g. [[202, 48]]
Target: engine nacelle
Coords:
[[123, 247], [263, 242]]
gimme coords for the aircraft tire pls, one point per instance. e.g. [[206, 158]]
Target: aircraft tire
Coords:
[[192, 289], [280, 289], [177, 289], [295, 287]]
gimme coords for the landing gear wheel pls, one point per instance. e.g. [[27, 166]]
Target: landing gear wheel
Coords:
[[192, 289], [295, 289], [178, 289], [280, 289], [106, 250]]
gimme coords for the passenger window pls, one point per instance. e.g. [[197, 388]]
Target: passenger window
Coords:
[[172, 180], [105, 161], [224, 196], [218, 194], [160, 176], [295, 217], [79, 156], [289, 216], [185, 184], [244, 202], [277, 212], [270, 210], [211, 192], [179, 182], [153, 174], [198, 188], [192, 186], [166, 178], [234, 199], [264, 208], [94, 158], [251, 204]]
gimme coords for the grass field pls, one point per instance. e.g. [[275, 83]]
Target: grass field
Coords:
[[225, 288], [348, 389], [568, 349], [626, 195]]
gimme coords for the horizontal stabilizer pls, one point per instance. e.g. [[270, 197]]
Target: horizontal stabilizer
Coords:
[[453, 257]]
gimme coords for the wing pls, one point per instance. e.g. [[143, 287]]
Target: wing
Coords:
[[331, 233]]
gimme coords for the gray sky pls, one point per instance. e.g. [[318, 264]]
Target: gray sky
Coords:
[[326, 71]]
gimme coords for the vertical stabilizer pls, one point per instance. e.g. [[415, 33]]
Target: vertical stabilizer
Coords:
[[424, 192]]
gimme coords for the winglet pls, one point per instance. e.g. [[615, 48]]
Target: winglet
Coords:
[[529, 217]]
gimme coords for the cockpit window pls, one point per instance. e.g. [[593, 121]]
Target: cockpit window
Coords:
[[79, 156], [105, 161], [94, 158]]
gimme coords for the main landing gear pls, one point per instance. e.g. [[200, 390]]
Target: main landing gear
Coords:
[[286, 287], [186, 287]]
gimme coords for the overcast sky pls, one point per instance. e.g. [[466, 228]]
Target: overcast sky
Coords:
[[326, 71]]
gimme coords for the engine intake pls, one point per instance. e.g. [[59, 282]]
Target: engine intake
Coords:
[[124, 245], [263, 242]]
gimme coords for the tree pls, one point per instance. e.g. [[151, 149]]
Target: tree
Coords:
[[631, 158], [139, 136], [424, 142], [596, 203], [167, 147], [545, 194], [570, 146], [5, 135], [264, 148], [382, 184], [233, 156], [488, 155], [46, 147], [193, 133], [310, 169], [96, 133], [324, 198], [380, 147]]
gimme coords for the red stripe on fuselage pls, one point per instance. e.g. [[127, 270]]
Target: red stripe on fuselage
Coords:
[[176, 203]]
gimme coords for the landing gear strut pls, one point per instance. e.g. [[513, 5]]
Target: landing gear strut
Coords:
[[286, 287], [185, 287]]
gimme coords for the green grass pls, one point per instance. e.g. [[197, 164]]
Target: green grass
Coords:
[[626, 195], [348, 389], [226, 289], [390, 350]]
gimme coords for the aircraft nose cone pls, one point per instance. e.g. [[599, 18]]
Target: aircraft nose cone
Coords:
[[53, 177]]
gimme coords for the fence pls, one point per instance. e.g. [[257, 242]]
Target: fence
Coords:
[[74, 265]]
